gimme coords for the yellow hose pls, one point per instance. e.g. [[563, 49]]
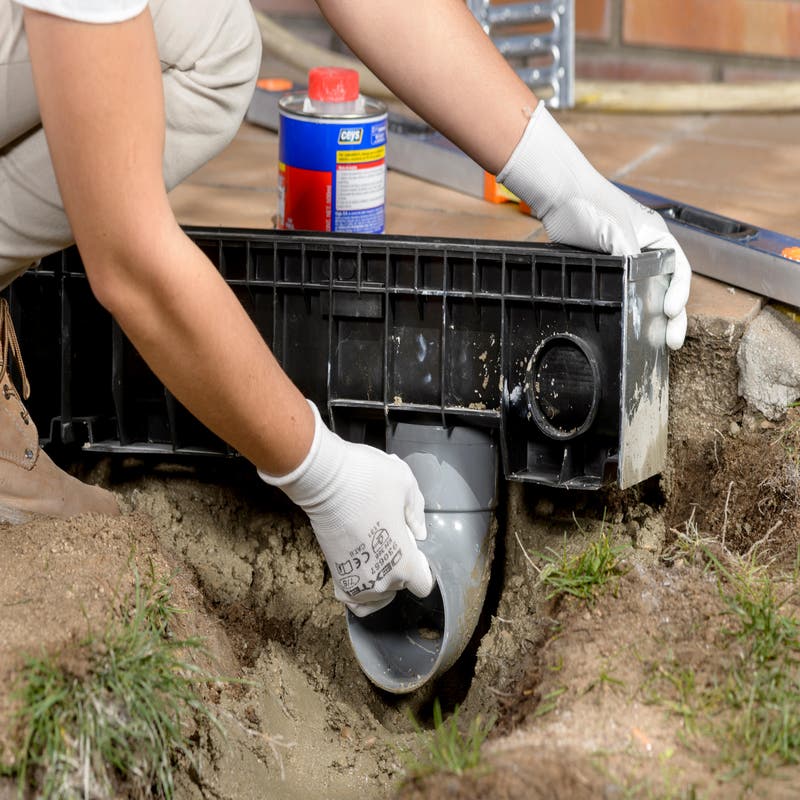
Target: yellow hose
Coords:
[[687, 98], [614, 96]]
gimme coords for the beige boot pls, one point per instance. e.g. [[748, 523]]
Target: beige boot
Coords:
[[30, 483]]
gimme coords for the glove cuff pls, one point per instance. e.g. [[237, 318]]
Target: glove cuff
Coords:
[[545, 166]]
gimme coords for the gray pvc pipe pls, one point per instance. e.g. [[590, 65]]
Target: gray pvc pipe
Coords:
[[412, 640]]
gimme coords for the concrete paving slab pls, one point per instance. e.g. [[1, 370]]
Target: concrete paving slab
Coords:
[[617, 146], [229, 207], [765, 209], [613, 155], [710, 299], [727, 167], [759, 129], [416, 206], [510, 227], [727, 175], [659, 124], [249, 162]]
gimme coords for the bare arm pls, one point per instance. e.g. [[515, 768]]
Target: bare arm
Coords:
[[434, 56], [100, 94]]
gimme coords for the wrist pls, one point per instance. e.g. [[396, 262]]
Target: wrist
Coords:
[[301, 469], [312, 482]]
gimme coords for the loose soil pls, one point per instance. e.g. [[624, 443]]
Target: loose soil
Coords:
[[572, 685]]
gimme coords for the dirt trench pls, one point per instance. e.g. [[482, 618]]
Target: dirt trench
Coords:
[[299, 718]]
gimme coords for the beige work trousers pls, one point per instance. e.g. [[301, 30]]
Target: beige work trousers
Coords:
[[210, 53]]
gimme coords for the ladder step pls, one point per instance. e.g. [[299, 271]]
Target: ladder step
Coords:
[[526, 44], [519, 13]]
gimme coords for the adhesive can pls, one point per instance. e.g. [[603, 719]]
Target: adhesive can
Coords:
[[332, 156]]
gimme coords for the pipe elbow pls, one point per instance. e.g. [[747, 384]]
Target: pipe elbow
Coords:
[[412, 640]]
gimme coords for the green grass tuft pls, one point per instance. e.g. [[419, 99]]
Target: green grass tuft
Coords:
[[113, 714], [762, 688], [680, 694], [585, 574], [752, 710], [446, 748], [549, 702]]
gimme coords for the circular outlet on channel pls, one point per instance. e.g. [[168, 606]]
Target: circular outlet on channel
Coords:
[[562, 384]]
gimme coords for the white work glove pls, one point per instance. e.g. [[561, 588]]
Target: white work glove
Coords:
[[367, 512], [578, 206]]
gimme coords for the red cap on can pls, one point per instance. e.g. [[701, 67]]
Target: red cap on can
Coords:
[[333, 84]]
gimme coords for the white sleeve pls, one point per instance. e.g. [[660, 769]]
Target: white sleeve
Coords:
[[89, 10]]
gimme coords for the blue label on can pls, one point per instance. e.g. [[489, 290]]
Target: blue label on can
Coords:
[[332, 174]]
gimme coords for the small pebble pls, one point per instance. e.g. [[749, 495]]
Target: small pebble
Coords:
[[734, 429]]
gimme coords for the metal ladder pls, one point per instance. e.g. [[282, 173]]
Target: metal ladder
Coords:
[[546, 60]]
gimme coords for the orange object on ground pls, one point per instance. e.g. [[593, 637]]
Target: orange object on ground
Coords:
[[274, 84], [791, 252], [495, 192]]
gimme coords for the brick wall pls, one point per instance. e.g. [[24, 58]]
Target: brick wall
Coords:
[[688, 40]]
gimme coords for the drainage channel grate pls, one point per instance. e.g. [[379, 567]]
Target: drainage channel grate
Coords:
[[559, 351]]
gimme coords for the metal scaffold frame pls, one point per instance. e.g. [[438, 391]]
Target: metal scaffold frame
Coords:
[[544, 59]]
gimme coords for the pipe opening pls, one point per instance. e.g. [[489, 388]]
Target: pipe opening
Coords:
[[401, 643], [563, 386]]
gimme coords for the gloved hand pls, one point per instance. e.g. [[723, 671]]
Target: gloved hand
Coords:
[[578, 206], [367, 512]]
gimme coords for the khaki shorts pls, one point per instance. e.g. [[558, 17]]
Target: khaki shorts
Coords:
[[210, 53]]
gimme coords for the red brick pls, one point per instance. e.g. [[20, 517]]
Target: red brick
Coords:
[[593, 19], [638, 68], [733, 73], [751, 27]]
